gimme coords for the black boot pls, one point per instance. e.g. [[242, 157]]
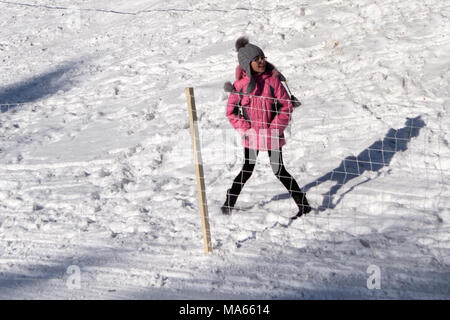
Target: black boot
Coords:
[[302, 203], [229, 202]]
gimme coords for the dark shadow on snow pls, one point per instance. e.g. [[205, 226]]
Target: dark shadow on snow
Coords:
[[374, 158], [35, 277], [35, 88]]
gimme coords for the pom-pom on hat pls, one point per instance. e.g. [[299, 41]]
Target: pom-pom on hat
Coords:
[[246, 52]]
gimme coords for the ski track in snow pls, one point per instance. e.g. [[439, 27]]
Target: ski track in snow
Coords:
[[96, 166]]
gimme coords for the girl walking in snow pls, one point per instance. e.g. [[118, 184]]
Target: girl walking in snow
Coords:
[[259, 108]]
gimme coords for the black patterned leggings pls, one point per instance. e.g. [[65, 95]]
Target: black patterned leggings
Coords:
[[278, 168]]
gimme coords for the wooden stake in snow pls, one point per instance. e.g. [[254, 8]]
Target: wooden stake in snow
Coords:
[[199, 169]]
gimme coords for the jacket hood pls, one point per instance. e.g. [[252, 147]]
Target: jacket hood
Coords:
[[270, 70]]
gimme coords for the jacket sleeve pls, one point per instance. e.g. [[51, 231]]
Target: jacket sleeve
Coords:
[[237, 121], [281, 120]]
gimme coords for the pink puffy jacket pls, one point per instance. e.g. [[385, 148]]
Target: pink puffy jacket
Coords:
[[261, 116]]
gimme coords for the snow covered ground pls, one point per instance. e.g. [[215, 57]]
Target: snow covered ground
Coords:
[[97, 184]]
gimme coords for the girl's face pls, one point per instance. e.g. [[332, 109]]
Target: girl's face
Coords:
[[258, 64]]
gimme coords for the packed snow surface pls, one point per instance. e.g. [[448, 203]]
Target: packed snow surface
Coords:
[[98, 194]]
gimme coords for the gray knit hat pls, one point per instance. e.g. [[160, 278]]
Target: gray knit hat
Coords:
[[246, 52]]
